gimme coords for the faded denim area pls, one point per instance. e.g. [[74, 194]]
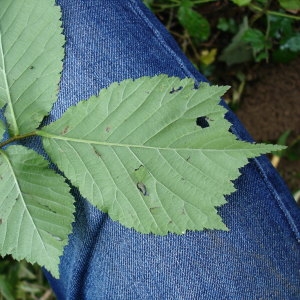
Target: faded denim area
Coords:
[[259, 258]]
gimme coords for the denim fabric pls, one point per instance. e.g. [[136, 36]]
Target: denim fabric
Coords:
[[259, 258]]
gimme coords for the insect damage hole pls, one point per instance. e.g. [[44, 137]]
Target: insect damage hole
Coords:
[[142, 188], [203, 121], [176, 90]]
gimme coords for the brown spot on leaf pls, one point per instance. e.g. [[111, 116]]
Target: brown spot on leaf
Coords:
[[65, 130], [98, 154], [154, 208]]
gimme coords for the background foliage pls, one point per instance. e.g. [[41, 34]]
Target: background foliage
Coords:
[[210, 30]]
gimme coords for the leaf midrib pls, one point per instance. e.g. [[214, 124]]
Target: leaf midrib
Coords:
[[13, 126], [47, 135], [21, 196]]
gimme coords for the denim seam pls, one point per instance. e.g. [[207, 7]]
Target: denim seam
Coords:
[[273, 191], [89, 256]]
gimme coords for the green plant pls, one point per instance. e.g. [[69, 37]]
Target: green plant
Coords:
[[20, 280], [155, 153], [292, 152], [195, 24], [271, 29], [270, 32]]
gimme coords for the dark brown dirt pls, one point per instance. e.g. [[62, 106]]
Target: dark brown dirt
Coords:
[[270, 106]]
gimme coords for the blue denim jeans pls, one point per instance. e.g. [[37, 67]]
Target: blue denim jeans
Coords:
[[259, 258]]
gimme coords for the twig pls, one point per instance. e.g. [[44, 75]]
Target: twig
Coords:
[[47, 295]]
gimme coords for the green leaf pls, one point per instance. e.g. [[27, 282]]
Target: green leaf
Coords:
[[280, 28], [36, 209], [292, 44], [136, 152], [241, 2], [5, 288], [31, 56], [148, 3], [238, 51], [195, 24], [290, 4], [227, 25], [256, 39]]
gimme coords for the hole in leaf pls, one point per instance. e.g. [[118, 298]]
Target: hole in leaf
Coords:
[[176, 90], [141, 166], [202, 121]]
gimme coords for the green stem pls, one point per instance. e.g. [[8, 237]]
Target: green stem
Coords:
[[17, 138], [202, 1], [176, 3], [267, 39], [274, 13]]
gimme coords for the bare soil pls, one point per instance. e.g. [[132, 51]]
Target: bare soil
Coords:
[[270, 106]]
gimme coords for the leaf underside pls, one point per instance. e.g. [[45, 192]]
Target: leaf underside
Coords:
[[31, 56], [36, 209], [136, 152]]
